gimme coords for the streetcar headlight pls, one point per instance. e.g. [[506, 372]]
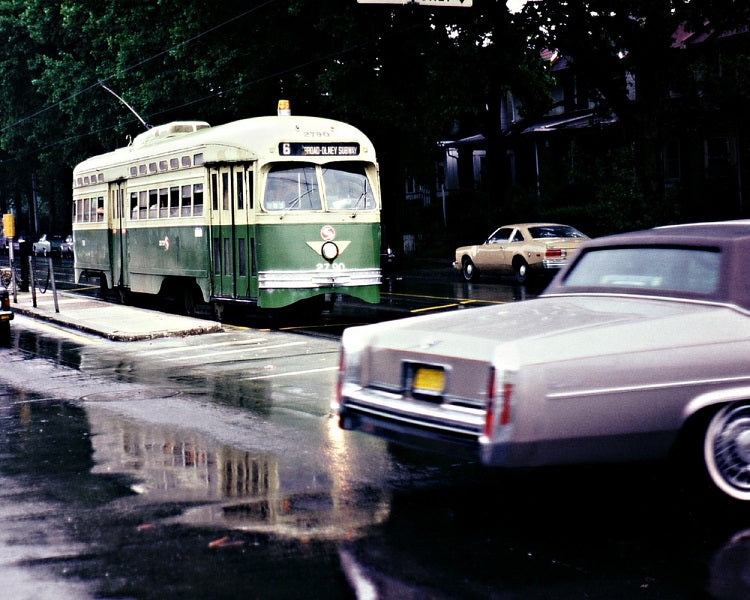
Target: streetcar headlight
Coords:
[[329, 251]]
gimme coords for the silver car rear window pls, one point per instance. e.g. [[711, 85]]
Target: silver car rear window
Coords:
[[693, 270]]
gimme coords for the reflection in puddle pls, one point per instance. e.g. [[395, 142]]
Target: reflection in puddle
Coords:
[[177, 466], [730, 569], [60, 351], [232, 488]]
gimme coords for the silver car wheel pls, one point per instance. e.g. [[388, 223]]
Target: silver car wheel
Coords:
[[726, 450]]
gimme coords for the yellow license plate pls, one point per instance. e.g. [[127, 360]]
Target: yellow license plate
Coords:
[[429, 380]]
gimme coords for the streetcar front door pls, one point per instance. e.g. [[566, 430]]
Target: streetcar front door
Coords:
[[232, 232], [117, 235]]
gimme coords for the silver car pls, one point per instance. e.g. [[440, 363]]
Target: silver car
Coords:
[[643, 341]]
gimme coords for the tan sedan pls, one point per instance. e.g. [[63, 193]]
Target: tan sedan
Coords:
[[520, 250]]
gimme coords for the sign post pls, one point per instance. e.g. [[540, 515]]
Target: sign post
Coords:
[[9, 231]]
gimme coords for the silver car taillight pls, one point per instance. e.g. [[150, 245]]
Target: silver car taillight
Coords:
[[499, 396], [350, 368]]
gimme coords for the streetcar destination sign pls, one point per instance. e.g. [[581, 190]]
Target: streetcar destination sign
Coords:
[[464, 3], [317, 149]]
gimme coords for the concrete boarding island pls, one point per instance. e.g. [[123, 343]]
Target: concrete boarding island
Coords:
[[113, 321]]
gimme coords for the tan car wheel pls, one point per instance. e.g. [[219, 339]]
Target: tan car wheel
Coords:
[[468, 269], [521, 269]]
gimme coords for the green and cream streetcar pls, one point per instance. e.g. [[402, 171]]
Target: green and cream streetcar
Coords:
[[267, 211]]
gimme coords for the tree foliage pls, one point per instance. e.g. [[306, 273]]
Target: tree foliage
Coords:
[[626, 53]]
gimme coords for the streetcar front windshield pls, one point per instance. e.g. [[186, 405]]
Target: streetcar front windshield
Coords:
[[292, 187], [347, 187]]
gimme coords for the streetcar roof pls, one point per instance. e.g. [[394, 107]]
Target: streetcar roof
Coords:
[[243, 140]]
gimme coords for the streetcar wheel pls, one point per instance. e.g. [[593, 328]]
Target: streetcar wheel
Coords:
[[103, 288], [122, 295], [189, 301], [468, 270]]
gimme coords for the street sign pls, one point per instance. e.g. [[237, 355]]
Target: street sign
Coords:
[[462, 3]]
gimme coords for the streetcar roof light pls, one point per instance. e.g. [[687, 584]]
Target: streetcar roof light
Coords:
[[284, 109]]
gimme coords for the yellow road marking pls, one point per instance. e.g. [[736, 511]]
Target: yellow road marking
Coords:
[[419, 310], [461, 300]]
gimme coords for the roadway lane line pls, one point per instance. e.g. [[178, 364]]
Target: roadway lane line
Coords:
[[252, 342], [209, 355], [289, 373]]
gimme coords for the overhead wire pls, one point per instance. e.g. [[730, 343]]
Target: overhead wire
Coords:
[[223, 91], [136, 65]]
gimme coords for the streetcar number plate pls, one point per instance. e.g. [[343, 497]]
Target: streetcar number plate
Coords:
[[429, 380]]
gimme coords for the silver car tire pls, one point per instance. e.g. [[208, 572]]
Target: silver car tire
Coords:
[[468, 269], [726, 450]]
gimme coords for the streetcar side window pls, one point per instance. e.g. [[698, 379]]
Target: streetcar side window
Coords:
[[86, 209], [174, 202], [142, 204], [198, 199], [187, 201], [152, 204], [292, 187], [133, 205], [100, 209], [163, 202]]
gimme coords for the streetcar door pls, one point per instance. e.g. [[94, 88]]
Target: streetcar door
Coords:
[[232, 243], [117, 233], [222, 232], [245, 278]]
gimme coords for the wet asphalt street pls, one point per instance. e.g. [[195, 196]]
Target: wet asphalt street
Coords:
[[209, 467]]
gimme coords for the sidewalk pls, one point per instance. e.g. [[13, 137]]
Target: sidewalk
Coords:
[[113, 321]]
